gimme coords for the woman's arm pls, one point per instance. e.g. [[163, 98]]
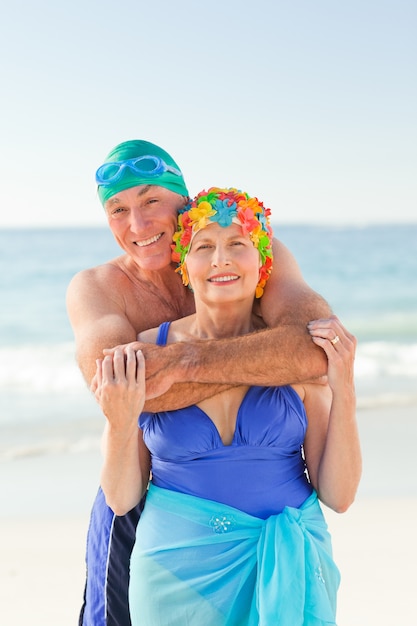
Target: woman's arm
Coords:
[[120, 393], [332, 447]]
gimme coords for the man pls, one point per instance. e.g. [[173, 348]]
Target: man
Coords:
[[142, 188]]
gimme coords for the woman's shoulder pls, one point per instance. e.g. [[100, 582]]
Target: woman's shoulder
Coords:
[[311, 390], [148, 336], [178, 331]]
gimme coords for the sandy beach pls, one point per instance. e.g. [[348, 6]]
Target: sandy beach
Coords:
[[44, 512]]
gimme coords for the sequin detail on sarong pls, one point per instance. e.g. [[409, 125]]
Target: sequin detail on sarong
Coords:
[[222, 523], [319, 573]]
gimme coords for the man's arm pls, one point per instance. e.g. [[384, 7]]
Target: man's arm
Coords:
[[97, 318], [99, 321], [272, 357], [288, 299], [280, 355]]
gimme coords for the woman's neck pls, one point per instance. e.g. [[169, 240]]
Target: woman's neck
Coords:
[[224, 320]]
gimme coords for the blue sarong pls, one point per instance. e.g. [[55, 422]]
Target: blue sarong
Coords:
[[197, 562]]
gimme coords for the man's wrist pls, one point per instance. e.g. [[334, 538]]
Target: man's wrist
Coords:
[[183, 361]]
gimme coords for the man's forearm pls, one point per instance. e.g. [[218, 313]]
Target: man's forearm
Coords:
[[272, 357], [181, 395]]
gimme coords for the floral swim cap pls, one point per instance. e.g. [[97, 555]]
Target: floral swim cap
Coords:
[[224, 207]]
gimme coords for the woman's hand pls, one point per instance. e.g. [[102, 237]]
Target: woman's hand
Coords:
[[332, 445], [120, 391], [339, 346], [119, 386]]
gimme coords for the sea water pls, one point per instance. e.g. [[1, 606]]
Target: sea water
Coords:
[[368, 275]]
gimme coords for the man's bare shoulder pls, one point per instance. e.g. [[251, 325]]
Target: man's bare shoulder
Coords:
[[120, 286], [99, 289], [114, 281], [96, 291], [113, 271]]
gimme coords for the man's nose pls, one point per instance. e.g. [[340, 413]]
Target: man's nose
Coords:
[[138, 220]]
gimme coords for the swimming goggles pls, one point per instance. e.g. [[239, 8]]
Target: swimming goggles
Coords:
[[147, 166]]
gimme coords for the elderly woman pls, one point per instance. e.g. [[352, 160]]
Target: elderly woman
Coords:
[[232, 531]]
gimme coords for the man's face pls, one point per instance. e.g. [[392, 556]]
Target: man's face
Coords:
[[143, 220]]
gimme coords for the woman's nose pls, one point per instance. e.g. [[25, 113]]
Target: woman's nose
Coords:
[[220, 257]]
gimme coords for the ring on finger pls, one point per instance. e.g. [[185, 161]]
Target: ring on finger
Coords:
[[335, 340]]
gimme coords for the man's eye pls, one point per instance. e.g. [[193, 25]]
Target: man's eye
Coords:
[[118, 211]]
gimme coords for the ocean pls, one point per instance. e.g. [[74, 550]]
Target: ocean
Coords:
[[367, 274]]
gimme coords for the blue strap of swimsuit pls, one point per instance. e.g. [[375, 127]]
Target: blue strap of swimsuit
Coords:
[[163, 330]]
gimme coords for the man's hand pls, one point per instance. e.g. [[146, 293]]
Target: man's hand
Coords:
[[160, 374]]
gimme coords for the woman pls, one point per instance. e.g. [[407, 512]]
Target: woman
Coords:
[[232, 532]]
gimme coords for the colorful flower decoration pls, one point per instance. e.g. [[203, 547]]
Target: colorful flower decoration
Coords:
[[225, 206]]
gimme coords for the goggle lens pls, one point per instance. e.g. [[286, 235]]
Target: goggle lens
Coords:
[[108, 171], [147, 166]]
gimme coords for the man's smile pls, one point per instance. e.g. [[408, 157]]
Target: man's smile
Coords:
[[147, 242]]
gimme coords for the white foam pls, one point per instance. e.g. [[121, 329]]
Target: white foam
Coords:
[[46, 369], [393, 359], [40, 369]]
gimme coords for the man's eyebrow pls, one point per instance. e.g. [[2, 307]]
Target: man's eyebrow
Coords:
[[144, 190], [112, 201], [116, 200]]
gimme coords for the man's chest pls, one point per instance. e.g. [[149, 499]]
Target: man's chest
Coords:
[[146, 307]]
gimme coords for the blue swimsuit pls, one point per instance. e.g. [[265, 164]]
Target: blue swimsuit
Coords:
[[261, 472], [225, 528]]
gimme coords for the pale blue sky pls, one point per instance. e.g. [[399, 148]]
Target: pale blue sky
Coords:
[[308, 104]]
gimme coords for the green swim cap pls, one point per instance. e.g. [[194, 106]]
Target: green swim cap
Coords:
[[134, 149]]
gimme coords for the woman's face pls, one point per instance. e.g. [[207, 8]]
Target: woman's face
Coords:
[[223, 264]]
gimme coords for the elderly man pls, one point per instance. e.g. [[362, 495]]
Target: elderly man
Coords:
[[142, 188]]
